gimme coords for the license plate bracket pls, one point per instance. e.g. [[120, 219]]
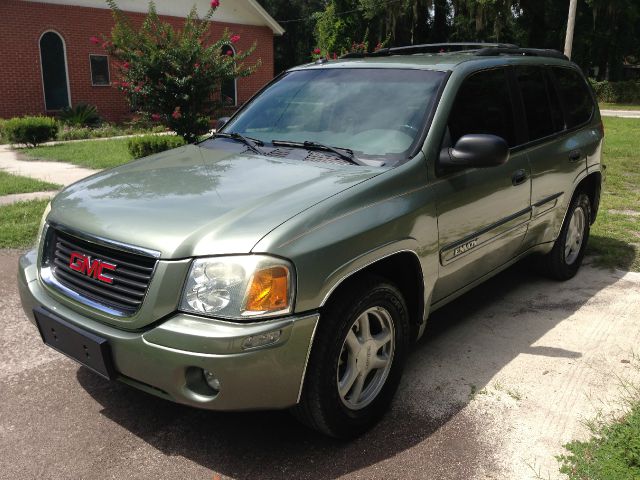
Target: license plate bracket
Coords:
[[84, 347]]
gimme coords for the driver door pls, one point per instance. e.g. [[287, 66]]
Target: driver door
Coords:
[[483, 213]]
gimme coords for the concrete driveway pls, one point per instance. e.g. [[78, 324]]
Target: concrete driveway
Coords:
[[620, 113], [503, 378]]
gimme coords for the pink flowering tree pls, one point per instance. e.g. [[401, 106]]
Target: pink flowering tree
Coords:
[[174, 76]]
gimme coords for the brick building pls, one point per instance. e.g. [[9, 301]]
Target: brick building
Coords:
[[47, 60]]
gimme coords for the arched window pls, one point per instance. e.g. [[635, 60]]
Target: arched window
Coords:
[[53, 60], [229, 88]]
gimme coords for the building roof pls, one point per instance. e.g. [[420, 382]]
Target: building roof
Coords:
[[242, 12]]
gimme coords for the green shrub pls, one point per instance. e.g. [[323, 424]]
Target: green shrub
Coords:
[[106, 130], [82, 115], [2, 138], [72, 133], [30, 130], [627, 91], [149, 144]]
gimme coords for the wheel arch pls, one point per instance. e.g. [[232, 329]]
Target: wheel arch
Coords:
[[402, 268], [591, 185]]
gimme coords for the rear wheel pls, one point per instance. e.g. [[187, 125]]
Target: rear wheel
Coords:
[[564, 260], [356, 360]]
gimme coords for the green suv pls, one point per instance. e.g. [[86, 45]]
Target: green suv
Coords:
[[290, 260]]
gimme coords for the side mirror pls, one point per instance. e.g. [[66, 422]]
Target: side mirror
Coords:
[[475, 150], [222, 121]]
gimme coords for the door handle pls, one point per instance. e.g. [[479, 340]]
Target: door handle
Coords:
[[575, 155], [519, 177]]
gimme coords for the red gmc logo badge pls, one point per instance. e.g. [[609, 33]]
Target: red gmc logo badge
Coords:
[[92, 268]]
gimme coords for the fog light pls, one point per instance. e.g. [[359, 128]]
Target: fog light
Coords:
[[262, 339], [211, 380]]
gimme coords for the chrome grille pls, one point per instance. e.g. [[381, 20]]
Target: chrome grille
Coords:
[[131, 276]]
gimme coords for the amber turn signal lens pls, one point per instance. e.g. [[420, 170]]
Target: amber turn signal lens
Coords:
[[268, 291]]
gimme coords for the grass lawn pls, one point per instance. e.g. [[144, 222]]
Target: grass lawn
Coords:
[[96, 154], [10, 184], [19, 223], [613, 451], [619, 106], [615, 237]]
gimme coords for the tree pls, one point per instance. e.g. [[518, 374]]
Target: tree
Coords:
[[174, 75], [607, 32], [297, 18]]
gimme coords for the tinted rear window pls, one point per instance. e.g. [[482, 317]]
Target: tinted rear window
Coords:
[[575, 95], [536, 101]]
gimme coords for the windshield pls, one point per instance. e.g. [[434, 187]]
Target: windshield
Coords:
[[374, 112]]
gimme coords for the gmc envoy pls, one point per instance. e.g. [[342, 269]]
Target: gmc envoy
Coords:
[[290, 260]]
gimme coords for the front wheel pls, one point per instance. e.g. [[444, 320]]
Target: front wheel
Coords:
[[356, 360], [564, 260]]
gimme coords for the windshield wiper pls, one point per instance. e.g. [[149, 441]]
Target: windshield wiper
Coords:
[[343, 153], [252, 143]]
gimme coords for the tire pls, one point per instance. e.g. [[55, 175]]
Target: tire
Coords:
[[334, 361], [563, 261]]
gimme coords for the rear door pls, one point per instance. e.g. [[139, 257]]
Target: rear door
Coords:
[[557, 107], [482, 212]]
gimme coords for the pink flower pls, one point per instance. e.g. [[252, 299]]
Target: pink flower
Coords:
[[106, 45], [215, 3], [176, 113], [95, 40], [125, 84], [137, 89], [155, 117], [197, 65], [229, 53], [235, 38], [125, 65], [317, 51]]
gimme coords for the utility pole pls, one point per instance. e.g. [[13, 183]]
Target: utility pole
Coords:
[[571, 23]]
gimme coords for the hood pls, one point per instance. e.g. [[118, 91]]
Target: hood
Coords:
[[196, 201]]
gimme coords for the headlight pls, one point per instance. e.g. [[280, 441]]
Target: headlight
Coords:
[[43, 222], [239, 287]]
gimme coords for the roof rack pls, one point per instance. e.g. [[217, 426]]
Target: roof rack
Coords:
[[533, 52], [478, 49], [430, 48]]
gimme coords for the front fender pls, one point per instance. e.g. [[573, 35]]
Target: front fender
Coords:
[[393, 212]]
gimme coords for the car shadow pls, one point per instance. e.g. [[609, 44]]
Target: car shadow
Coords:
[[465, 346]]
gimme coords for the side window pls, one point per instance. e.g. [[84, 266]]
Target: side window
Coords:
[[556, 107], [537, 108], [483, 105], [575, 95]]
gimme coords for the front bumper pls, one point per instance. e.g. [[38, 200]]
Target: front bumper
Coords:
[[161, 360]]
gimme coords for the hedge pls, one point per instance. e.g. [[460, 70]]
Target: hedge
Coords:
[[627, 91], [149, 144], [29, 130]]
